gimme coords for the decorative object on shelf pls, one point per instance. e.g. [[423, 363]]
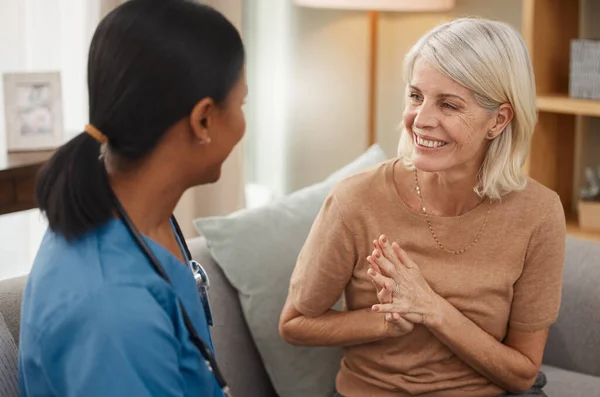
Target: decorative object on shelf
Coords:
[[374, 6], [33, 111], [589, 201], [584, 74], [591, 190]]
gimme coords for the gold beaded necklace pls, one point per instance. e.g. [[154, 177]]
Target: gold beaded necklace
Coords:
[[433, 232]]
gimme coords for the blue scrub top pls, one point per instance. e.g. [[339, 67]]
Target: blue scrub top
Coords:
[[97, 320]]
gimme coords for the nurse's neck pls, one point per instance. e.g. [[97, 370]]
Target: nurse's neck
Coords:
[[149, 192], [150, 188]]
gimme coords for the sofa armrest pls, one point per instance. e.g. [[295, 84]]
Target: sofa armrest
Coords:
[[574, 340], [11, 293]]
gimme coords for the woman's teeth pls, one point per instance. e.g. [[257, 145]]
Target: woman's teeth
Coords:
[[427, 143]]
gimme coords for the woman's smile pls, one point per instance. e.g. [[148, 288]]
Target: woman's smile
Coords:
[[427, 143]]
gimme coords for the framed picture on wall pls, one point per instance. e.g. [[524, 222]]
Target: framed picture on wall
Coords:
[[33, 111]]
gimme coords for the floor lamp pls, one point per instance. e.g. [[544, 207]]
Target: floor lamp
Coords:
[[374, 7]]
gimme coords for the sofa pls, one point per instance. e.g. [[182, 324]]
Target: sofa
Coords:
[[571, 360]]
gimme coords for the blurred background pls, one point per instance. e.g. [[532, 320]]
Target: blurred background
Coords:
[[324, 84]]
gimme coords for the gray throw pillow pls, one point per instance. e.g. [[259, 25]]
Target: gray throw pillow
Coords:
[[9, 385], [257, 249]]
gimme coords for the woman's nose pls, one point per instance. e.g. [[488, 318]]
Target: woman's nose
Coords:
[[425, 117]]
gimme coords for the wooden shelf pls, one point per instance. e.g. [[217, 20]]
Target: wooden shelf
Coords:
[[555, 158], [574, 230], [562, 103]]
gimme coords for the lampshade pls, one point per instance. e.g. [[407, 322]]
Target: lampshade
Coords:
[[380, 5]]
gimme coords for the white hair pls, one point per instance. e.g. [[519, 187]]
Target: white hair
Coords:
[[490, 59]]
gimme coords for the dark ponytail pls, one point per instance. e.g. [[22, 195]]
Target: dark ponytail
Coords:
[[72, 188], [150, 62]]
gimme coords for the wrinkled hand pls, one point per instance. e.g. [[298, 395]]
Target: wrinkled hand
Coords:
[[402, 290], [396, 325]]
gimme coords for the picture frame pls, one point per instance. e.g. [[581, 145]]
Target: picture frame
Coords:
[[33, 111]]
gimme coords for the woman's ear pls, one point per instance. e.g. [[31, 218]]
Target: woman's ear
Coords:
[[201, 120], [503, 117]]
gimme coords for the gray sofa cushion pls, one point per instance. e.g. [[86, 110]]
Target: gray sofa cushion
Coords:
[[11, 291], [257, 250], [574, 340], [236, 353], [9, 386], [563, 383]]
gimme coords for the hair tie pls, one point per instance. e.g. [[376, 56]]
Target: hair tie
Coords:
[[96, 134]]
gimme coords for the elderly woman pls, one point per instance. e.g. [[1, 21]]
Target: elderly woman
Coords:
[[467, 261]]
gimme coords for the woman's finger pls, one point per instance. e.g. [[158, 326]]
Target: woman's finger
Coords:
[[381, 281], [383, 285], [403, 256], [387, 268], [396, 318], [387, 308], [400, 322], [387, 250], [414, 318], [385, 296], [393, 309], [376, 260], [373, 265], [393, 317], [376, 278], [379, 247]]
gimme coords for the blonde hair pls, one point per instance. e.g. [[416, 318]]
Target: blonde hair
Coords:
[[490, 59]]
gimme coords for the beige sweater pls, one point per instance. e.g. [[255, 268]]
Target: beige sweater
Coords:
[[511, 278]]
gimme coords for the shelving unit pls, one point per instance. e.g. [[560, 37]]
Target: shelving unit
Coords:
[[548, 28], [573, 229], [562, 103]]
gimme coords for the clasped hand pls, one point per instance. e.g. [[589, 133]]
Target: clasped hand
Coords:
[[404, 295]]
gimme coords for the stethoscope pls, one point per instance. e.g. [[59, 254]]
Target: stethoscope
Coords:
[[202, 283]]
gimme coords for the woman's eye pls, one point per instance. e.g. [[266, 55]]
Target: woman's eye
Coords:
[[449, 106], [414, 97]]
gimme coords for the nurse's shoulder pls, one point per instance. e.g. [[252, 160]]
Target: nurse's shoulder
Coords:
[[88, 322], [65, 273]]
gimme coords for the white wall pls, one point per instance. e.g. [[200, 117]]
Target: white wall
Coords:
[[41, 35], [267, 35], [327, 120], [307, 83]]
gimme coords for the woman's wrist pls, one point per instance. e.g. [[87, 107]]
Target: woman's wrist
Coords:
[[438, 308]]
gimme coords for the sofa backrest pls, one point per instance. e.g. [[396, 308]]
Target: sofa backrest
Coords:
[[574, 340]]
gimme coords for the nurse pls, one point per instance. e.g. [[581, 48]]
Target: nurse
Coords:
[[111, 307]]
